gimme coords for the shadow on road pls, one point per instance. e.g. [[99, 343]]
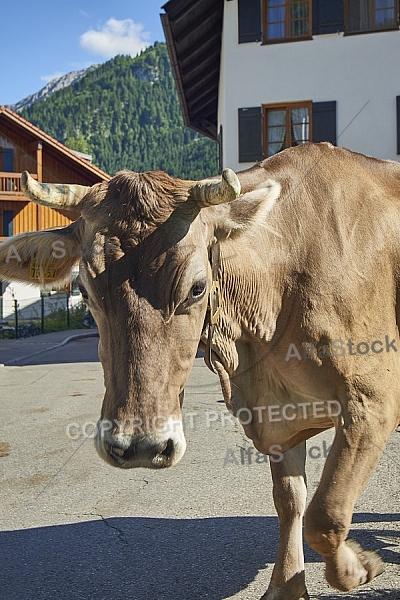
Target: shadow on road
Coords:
[[79, 351], [361, 594], [152, 558]]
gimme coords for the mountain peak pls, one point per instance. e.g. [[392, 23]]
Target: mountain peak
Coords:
[[58, 83]]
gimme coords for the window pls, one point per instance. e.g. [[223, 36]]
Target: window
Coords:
[[8, 224], [7, 166], [286, 20], [265, 130], [7, 162], [371, 15], [291, 20], [285, 126]]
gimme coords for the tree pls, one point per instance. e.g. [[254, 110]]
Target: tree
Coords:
[[126, 114], [78, 143]]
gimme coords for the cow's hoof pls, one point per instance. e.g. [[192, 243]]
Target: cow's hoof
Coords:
[[371, 561], [351, 566]]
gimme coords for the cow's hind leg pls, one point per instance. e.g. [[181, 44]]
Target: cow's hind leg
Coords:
[[289, 490], [357, 448]]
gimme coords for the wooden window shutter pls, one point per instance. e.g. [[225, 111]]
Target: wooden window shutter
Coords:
[[250, 134], [249, 16], [398, 122], [328, 16], [324, 122]]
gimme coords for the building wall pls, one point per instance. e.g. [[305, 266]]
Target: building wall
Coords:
[[56, 170], [31, 217], [354, 70], [27, 215], [24, 159], [56, 167]]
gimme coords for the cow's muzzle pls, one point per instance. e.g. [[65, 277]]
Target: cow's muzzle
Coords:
[[128, 451]]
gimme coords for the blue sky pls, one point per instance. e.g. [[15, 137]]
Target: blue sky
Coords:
[[47, 38]]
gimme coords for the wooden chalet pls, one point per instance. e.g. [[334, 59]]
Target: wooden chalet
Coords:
[[25, 147]]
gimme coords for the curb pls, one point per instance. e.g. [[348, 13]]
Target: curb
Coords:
[[72, 338]]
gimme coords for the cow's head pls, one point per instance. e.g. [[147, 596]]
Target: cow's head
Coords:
[[142, 244]]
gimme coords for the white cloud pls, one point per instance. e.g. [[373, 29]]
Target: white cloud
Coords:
[[55, 75], [116, 37]]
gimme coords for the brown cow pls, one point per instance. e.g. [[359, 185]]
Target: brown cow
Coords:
[[307, 336]]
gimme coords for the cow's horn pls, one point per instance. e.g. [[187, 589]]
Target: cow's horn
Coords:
[[209, 192], [66, 196]]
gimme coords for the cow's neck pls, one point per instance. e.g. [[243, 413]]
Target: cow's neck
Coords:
[[253, 277]]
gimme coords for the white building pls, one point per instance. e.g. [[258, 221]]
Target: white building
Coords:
[[262, 75]]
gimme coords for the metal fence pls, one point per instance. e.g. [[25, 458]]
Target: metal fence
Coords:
[[44, 314]]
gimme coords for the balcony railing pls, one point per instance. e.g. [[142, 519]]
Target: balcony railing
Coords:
[[10, 185]]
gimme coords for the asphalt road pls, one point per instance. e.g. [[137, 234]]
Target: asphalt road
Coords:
[[73, 527]]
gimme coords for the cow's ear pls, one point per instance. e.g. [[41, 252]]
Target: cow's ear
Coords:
[[41, 258], [251, 208]]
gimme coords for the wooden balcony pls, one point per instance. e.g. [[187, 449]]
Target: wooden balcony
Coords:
[[10, 186]]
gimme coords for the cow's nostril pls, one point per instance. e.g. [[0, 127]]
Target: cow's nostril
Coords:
[[141, 451], [116, 450], [168, 449], [164, 453]]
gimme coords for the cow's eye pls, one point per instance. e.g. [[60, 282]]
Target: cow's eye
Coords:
[[196, 293], [198, 290]]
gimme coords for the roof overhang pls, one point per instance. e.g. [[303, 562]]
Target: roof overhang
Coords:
[[193, 31]]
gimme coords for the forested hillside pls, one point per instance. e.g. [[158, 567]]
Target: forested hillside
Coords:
[[126, 114]]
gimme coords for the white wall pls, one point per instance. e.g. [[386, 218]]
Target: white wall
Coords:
[[352, 70], [28, 297], [25, 294]]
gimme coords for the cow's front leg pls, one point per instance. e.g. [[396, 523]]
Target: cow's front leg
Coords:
[[290, 492], [357, 447]]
